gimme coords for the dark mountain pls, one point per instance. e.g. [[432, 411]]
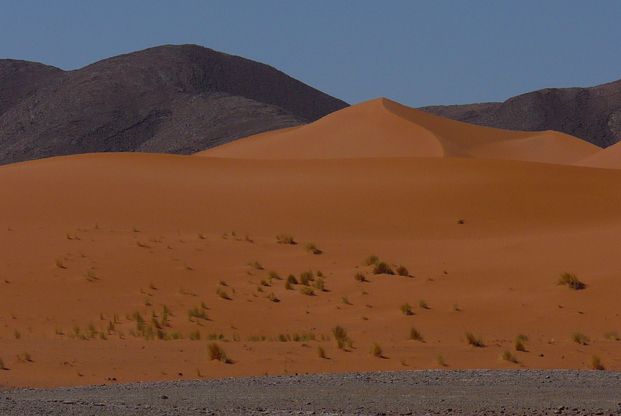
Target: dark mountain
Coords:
[[593, 114], [175, 99]]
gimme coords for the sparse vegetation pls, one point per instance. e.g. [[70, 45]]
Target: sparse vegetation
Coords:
[[272, 297], [285, 239], [321, 352], [197, 313], [596, 363], [216, 352], [292, 280], [345, 301], [423, 305], [2, 366], [312, 248], [256, 265], [519, 342], [60, 263], [473, 340], [612, 336], [320, 284], [195, 335], [406, 309], [342, 339], [441, 361], [359, 277], [416, 335], [580, 338], [508, 356], [306, 290], [376, 350], [382, 268], [402, 271], [223, 294], [571, 281], [371, 260], [306, 278], [274, 276]]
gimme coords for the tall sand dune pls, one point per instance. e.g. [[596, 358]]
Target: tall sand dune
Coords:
[[608, 158], [384, 128], [124, 267]]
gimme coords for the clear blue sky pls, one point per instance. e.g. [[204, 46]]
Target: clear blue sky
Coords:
[[417, 52]]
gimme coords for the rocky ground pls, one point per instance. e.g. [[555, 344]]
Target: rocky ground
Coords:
[[481, 392]]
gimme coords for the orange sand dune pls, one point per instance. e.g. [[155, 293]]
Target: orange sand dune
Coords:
[[609, 158], [115, 267], [384, 128]]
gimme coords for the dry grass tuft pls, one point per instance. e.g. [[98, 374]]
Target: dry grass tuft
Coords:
[[306, 290], [406, 309], [216, 352], [372, 260], [382, 268], [571, 281], [321, 352], [441, 361], [507, 356], [306, 278], [2, 366], [376, 350], [312, 248], [423, 305], [223, 294], [402, 271], [473, 340], [596, 363], [342, 339], [519, 342], [285, 239], [359, 277], [416, 335], [580, 338]]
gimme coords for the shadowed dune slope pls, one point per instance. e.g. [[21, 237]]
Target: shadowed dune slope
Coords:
[[384, 128], [609, 158]]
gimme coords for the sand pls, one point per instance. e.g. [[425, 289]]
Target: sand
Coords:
[[608, 158], [88, 242]]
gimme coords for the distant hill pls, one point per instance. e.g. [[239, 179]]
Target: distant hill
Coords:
[[174, 99], [592, 114]]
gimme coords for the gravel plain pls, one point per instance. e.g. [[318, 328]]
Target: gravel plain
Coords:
[[465, 392]]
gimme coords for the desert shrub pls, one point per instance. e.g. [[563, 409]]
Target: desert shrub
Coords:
[[256, 265], [306, 278], [382, 268], [359, 277], [402, 271], [17, 334], [571, 281], [292, 280], [519, 342], [60, 263], [423, 305], [612, 335], [596, 363], [321, 352], [198, 313], [216, 352], [345, 300], [312, 248], [320, 284], [195, 335], [416, 335], [272, 297], [441, 361], [305, 290], [406, 309], [274, 276], [342, 339], [265, 283], [376, 350], [288, 285], [507, 356], [285, 239], [371, 260], [580, 338], [473, 340], [223, 294]]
